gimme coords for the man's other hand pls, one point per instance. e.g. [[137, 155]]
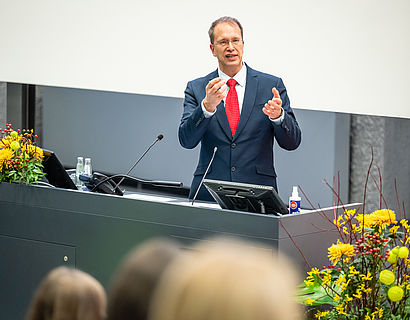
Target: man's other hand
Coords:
[[273, 108]]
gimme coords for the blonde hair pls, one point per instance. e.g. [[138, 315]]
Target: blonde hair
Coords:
[[68, 294], [227, 280]]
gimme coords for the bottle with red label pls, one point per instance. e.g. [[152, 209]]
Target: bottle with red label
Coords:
[[294, 201]]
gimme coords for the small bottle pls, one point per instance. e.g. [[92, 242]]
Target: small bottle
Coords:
[[79, 169], [88, 171], [294, 201]]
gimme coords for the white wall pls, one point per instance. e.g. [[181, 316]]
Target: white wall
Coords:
[[350, 56]]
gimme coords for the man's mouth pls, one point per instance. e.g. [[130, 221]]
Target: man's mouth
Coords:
[[231, 56]]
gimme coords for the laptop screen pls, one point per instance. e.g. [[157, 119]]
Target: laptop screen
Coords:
[[55, 172], [246, 197]]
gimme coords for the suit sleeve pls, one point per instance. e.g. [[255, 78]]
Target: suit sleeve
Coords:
[[193, 123], [287, 134]]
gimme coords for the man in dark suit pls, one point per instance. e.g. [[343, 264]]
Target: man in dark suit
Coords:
[[241, 117]]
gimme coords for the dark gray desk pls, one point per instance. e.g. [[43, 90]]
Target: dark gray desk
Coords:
[[41, 228]]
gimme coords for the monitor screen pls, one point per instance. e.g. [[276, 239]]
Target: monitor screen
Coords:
[[246, 197], [55, 172]]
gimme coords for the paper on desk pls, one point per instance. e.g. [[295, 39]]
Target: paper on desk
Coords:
[[147, 197], [208, 205]]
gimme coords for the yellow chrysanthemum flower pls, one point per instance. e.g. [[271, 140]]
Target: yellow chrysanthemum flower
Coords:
[[5, 142], [6, 155], [309, 301], [33, 151], [364, 220], [381, 218], [336, 251]]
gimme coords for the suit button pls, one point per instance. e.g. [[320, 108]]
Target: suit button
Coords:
[[233, 169], [233, 145]]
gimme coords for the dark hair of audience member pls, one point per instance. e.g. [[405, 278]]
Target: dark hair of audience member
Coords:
[[68, 294], [225, 279], [134, 281]]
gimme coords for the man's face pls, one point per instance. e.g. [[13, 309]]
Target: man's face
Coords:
[[228, 47]]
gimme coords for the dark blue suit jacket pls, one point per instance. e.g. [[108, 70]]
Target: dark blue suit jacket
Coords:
[[247, 157]]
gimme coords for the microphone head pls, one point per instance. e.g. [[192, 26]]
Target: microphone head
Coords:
[[215, 149], [160, 137]]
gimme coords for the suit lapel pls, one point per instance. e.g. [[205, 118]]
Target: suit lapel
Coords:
[[223, 120], [248, 100]]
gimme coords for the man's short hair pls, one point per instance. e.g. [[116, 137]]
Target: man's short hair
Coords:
[[220, 20]]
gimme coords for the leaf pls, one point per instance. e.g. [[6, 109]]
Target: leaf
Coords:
[[316, 293]]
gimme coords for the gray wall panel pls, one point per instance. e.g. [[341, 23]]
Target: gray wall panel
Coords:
[[114, 129]]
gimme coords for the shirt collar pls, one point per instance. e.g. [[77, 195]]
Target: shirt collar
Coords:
[[240, 77]]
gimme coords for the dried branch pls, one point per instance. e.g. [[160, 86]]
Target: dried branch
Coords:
[[295, 244]]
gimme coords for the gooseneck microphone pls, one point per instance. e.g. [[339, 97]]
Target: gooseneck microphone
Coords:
[[203, 178], [139, 159]]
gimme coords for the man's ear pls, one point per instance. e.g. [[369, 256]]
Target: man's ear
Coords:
[[211, 46]]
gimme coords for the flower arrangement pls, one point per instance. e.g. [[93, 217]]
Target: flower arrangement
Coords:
[[368, 277], [20, 158]]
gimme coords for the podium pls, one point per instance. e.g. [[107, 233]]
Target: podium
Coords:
[[42, 227]]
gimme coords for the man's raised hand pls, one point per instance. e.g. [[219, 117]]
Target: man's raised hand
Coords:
[[273, 108], [215, 93]]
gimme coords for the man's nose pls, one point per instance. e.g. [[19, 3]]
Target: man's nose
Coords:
[[230, 45]]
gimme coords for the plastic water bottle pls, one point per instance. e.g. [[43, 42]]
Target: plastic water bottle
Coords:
[[88, 171], [294, 201], [79, 169]]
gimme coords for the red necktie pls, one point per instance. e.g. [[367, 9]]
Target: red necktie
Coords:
[[232, 106]]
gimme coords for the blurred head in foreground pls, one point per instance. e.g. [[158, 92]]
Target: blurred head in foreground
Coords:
[[68, 294], [227, 280], [134, 281]]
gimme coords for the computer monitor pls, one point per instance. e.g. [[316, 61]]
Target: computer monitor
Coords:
[[246, 197], [55, 172]]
